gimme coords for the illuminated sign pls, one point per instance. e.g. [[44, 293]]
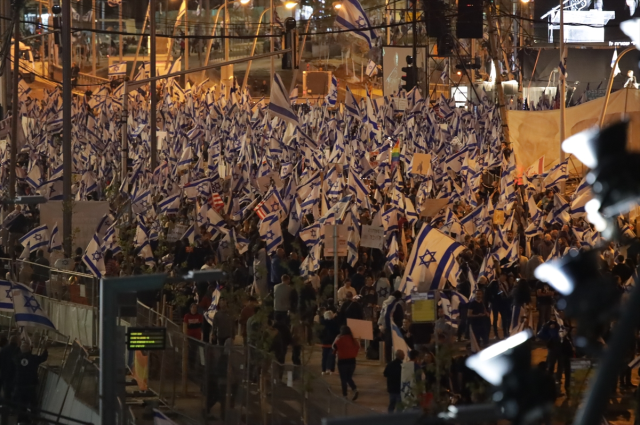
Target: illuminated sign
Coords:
[[146, 338]]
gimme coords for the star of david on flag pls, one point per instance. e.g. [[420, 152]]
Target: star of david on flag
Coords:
[[28, 311], [431, 261]]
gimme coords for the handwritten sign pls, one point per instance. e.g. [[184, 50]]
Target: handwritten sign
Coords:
[[372, 237]]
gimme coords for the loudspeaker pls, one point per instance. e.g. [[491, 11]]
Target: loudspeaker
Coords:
[[469, 24]]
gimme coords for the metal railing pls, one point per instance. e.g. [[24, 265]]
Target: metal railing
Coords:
[[239, 384], [69, 298]]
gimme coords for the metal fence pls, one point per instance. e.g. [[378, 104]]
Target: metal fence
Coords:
[[238, 384], [70, 299]]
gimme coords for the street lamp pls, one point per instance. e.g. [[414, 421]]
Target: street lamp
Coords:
[[337, 5], [290, 4], [244, 1]]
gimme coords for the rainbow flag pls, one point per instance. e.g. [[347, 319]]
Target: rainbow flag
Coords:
[[395, 152]]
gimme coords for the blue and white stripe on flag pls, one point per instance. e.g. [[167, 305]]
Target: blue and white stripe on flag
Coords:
[[160, 418], [28, 311], [431, 261], [213, 308], [36, 238], [279, 104], [94, 258], [118, 69], [351, 16], [371, 69], [332, 97], [271, 232], [6, 297], [54, 245]]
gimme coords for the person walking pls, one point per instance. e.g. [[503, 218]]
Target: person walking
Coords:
[[26, 377], [346, 348], [393, 373], [8, 367]]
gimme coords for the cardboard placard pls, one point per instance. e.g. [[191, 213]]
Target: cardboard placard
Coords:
[[362, 329], [401, 103], [498, 217], [176, 233], [343, 234], [372, 237], [431, 207], [421, 163]]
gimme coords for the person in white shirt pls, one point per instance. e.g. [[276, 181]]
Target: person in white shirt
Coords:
[[342, 292]]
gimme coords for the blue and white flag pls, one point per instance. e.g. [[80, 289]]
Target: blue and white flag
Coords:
[[332, 97], [351, 104], [279, 104], [28, 311], [160, 418], [613, 63], [271, 232], [94, 258], [432, 259], [372, 69], [6, 297], [351, 16], [54, 245], [213, 307], [36, 238], [170, 204], [118, 69]]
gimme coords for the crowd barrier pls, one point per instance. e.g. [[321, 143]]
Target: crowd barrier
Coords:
[[73, 390], [70, 299], [240, 384]]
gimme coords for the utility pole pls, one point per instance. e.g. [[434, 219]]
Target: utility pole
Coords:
[[93, 38], [414, 27], [15, 109], [563, 87], [271, 41], [152, 84], [121, 36], [66, 127], [493, 52]]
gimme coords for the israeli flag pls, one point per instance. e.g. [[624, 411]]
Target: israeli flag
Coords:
[[160, 418], [6, 297], [279, 104], [432, 259], [118, 69], [613, 62], [351, 17], [93, 257], [351, 104], [270, 232], [293, 96], [372, 69], [36, 238], [53, 244], [332, 97], [213, 308], [170, 204], [28, 311]]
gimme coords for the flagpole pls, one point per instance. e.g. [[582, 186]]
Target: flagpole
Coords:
[[67, 153], [15, 119], [93, 38], [563, 86], [144, 27], [271, 40], [152, 85], [121, 36]]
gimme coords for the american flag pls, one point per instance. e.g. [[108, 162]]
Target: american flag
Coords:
[[261, 210], [216, 202]]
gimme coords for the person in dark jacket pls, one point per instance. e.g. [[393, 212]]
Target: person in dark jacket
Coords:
[[7, 367], [328, 334], [393, 373], [350, 310], [26, 376]]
